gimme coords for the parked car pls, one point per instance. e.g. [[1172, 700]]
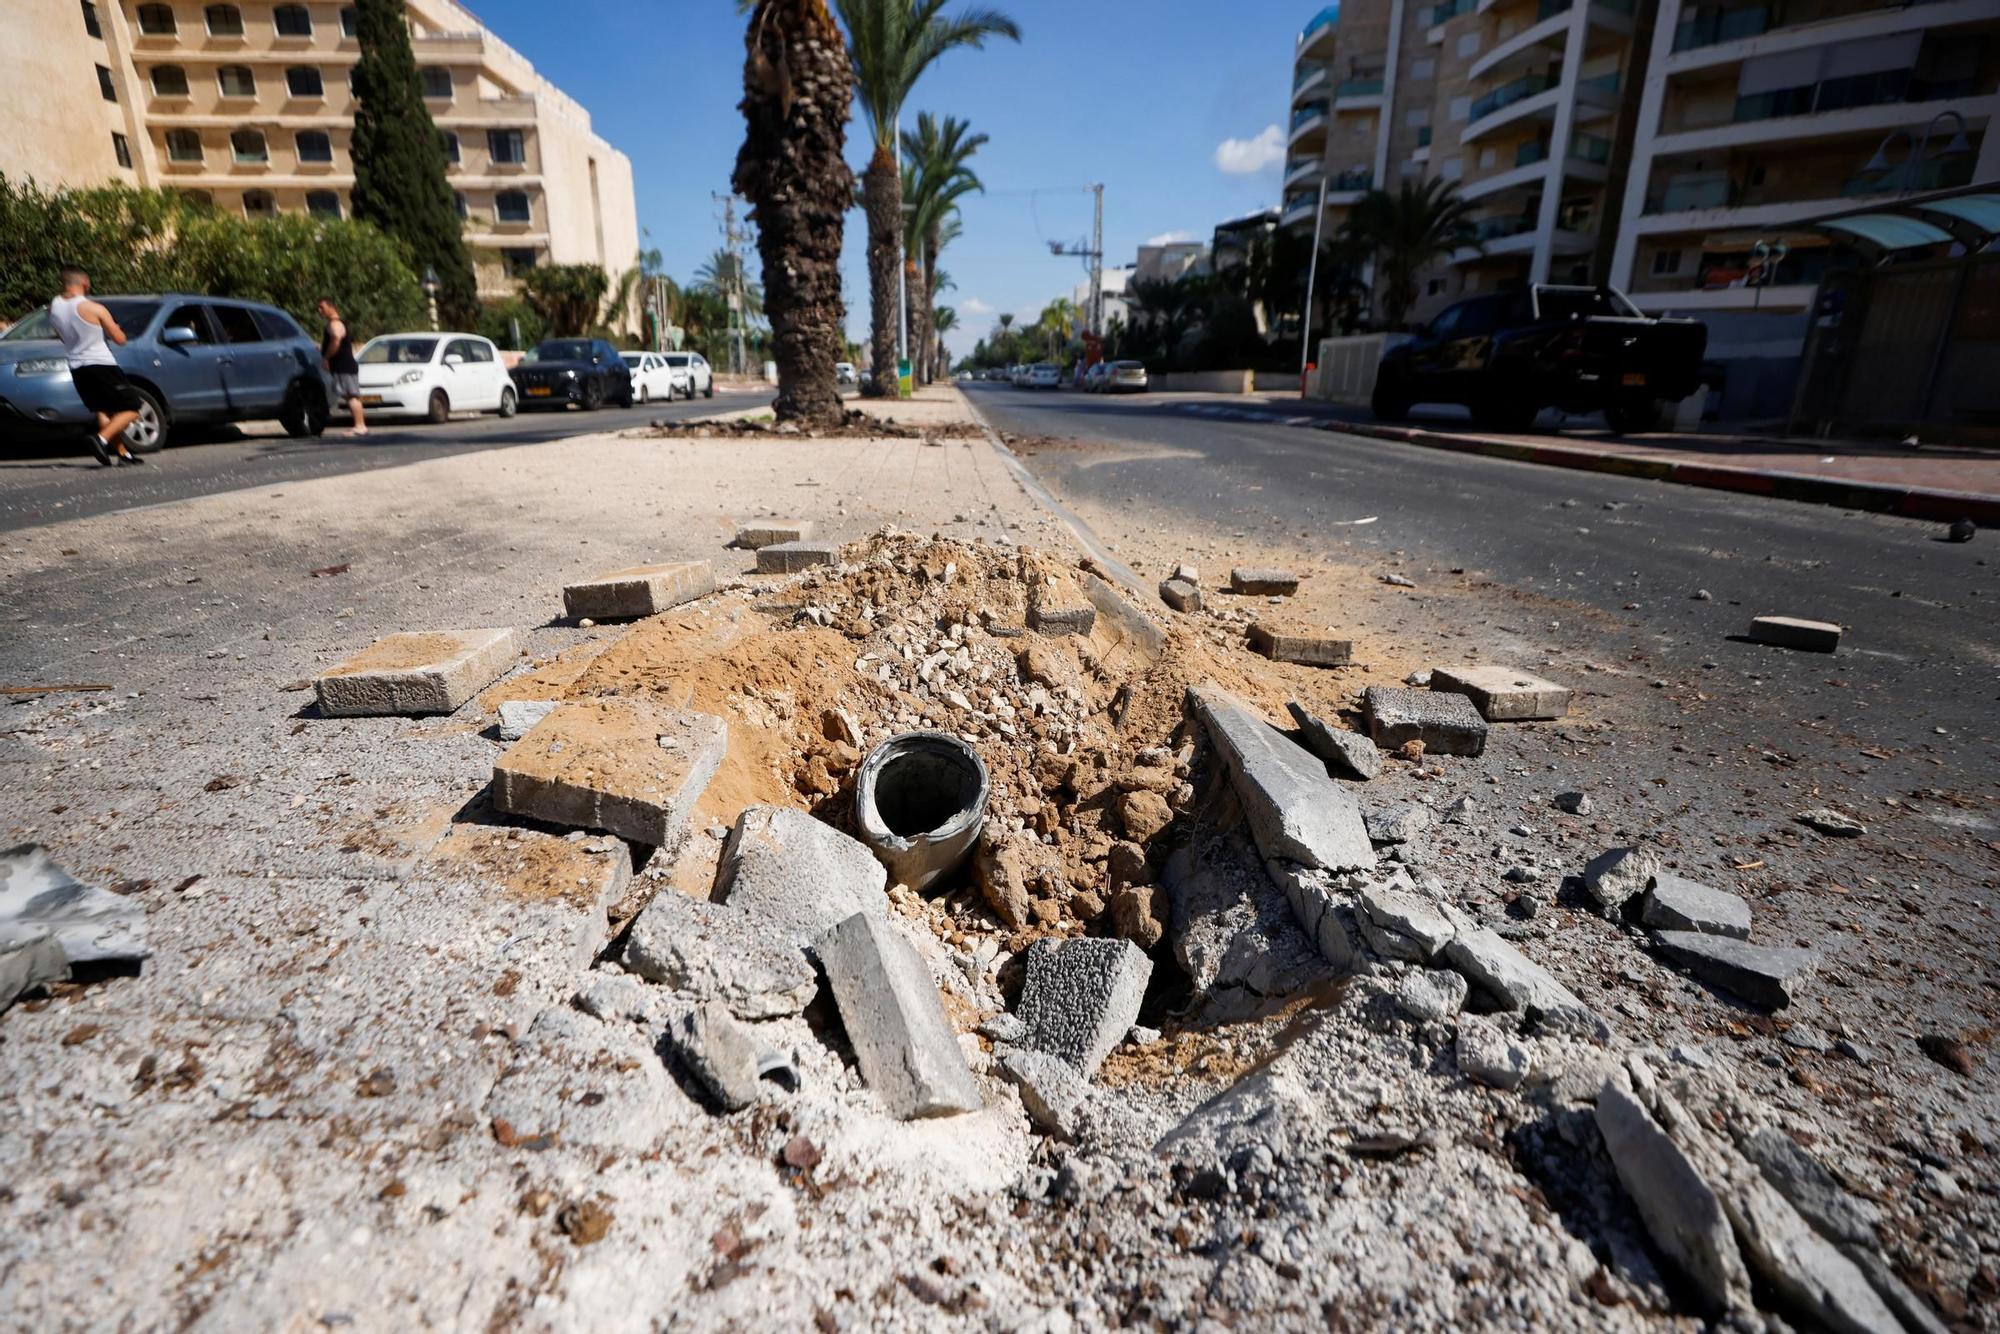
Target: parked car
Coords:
[[1018, 376], [433, 375], [1045, 375], [845, 376], [1093, 379], [1126, 377], [1580, 349], [585, 371], [193, 359], [651, 376], [692, 374]]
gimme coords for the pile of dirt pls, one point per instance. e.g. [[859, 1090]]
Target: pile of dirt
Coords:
[[855, 425]]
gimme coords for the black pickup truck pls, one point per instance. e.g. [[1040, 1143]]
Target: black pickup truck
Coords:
[[1508, 356]]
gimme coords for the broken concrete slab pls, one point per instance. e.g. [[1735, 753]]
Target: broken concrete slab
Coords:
[[641, 590], [519, 716], [1056, 606], [1263, 583], [417, 673], [895, 1022], [1080, 997], [791, 557], [626, 766], [1681, 1211], [1283, 642], [797, 875], [1397, 824], [712, 951], [1516, 982], [1127, 639], [1810, 1188], [1232, 929], [1446, 724], [555, 890], [1430, 995], [1296, 813], [1678, 904], [761, 533], [1504, 694], [579, 1083], [27, 960], [1351, 754], [1180, 595], [1051, 1088], [38, 897], [719, 1052], [1791, 632], [1400, 923], [1619, 874], [1768, 976], [1489, 1056]]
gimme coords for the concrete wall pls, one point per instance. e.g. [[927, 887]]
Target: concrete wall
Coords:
[[1203, 382]]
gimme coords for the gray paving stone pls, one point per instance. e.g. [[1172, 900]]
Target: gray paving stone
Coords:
[[627, 767], [1080, 997], [1060, 608], [1619, 874], [1308, 648], [1296, 812], [1180, 595], [791, 557], [907, 1052], [1446, 724], [1811, 1188], [798, 876], [1400, 923], [1263, 583], [763, 533], [1678, 904], [1504, 694], [1791, 632], [519, 716], [1518, 983], [641, 590], [418, 673], [1051, 1089], [1682, 1213], [712, 951], [1351, 754], [719, 1051], [1768, 976]]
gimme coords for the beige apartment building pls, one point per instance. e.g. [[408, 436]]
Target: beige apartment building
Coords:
[[248, 104], [1672, 148]]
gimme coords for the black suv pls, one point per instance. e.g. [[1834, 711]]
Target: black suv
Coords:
[[585, 371]]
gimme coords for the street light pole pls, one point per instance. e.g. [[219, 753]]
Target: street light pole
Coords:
[[1312, 281]]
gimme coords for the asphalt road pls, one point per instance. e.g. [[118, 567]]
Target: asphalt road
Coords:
[[45, 481], [1916, 669]]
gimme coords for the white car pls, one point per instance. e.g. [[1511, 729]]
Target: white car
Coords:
[[1045, 375], [652, 377], [692, 374], [434, 375], [1125, 377]]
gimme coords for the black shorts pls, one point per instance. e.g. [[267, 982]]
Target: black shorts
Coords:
[[105, 389]]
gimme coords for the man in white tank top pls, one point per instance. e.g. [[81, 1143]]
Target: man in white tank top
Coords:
[[84, 325]]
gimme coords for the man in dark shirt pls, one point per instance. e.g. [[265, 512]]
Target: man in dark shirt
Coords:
[[336, 353]]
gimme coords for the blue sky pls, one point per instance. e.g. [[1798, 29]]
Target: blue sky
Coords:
[[1138, 94]]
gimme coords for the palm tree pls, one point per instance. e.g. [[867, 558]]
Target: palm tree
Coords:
[[798, 91], [721, 273], [892, 43], [1407, 232], [943, 320], [1058, 321], [936, 178]]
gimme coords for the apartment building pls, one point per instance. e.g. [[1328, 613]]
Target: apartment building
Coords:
[[248, 104], [1669, 147]]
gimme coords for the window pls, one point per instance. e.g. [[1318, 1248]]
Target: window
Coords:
[[1477, 319], [448, 141], [169, 81], [105, 86], [1446, 324], [1452, 169], [276, 326], [463, 349], [292, 21], [314, 146], [90, 23], [1424, 70], [192, 318], [505, 146], [121, 148], [1666, 262], [304, 81], [259, 204], [323, 204], [437, 82], [1461, 107], [183, 146], [157, 21], [236, 323], [517, 262], [512, 206], [350, 18], [458, 199], [1468, 45], [249, 146], [223, 20], [236, 81]]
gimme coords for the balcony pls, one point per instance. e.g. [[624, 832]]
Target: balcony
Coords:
[[1529, 45], [1710, 191], [1507, 94], [1317, 37], [1299, 170], [431, 47], [1310, 79], [1437, 14], [1298, 207], [1309, 124], [1348, 186], [1358, 95], [1531, 151]]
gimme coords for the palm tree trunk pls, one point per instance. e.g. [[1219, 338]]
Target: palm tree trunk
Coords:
[[798, 88], [920, 320], [882, 196]]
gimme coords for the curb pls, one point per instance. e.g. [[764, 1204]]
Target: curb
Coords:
[[1875, 497]]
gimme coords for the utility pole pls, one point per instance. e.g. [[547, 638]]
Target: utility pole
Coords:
[[736, 295], [1094, 254], [1312, 282]]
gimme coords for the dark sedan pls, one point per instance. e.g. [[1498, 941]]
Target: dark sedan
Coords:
[[585, 371]]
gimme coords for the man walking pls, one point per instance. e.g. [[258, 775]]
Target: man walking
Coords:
[[336, 353], [83, 326]]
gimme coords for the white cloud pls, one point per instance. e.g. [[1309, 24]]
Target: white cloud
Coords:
[[1170, 238], [1248, 157], [974, 307]]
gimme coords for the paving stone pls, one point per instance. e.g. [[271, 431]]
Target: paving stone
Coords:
[[770, 532], [1618, 874], [417, 673], [1351, 754], [1432, 994], [627, 767], [712, 951], [719, 1051], [907, 1052], [1677, 904], [1080, 997], [519, 716], [1263, 583], [1446, 724], [1180, 595], [1515, 981], [1400, 923], [1399, 823], [797, 875], [1768, 976], [1296, 813], [641, 590], [1188, 574], [1060, 608], [1490, 1056], [1504, 694], [1791, 632], [1681, 1211], [1051, 1089], [1285, 643], [791, 557]]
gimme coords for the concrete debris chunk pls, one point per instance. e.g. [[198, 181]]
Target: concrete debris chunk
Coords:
[[1283, 642], [1003, 1027], [1263, 583], [1296, 813], [1323, 903], [1399, 923], [797, 875], [1490, 1056], [1432, 995], [1826, 820], [1446, 724], [1233, 929], [27, 960], [1516, 983], [791, 557], [1619, 874], [1180, 595], [1504, 694], [1768, 976], [1678, 904], [720, 1052], [1051, 1089], [1576, 803], [770, 532], [625, 766], [1681, 1212], [895, 1022], [1351, 754], [1056, 606], [1399, 823], [1808, 1187], [712, 951], [39, 898], [1188, 574], [1791, 632], [1080, 997], [519, 716], [418, 673], [641, 590]]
